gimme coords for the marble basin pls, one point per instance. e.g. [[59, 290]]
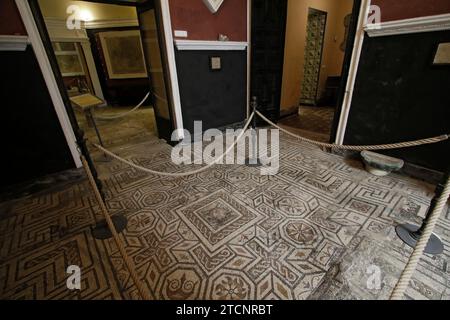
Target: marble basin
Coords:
[[381, 165]]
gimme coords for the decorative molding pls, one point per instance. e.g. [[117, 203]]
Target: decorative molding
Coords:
[[55, 22], [210, 45], [213, 5], [116, 23], [13, 43], [407, 26], [69, 39], [59, 23], [58, 31]]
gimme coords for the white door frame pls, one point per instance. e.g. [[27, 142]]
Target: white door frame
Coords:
[[249, 53], [354, 64], [49, 77], [173, 75], [87, 50]]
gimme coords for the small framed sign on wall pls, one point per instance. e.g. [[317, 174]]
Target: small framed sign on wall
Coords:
[[442, 54], [215, 63]]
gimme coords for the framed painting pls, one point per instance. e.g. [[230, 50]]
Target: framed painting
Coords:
[[68, 56], [442, 54], [123, 53]]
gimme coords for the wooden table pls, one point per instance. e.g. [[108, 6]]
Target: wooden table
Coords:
[[85, 103]]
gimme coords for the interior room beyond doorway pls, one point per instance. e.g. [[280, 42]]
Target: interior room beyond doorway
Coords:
[[315, 47], [114, 58]]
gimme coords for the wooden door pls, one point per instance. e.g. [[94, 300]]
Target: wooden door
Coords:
[[154, 51]]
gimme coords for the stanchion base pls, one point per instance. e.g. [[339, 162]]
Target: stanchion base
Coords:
[[252, 163], [406, 233], [101, 230]]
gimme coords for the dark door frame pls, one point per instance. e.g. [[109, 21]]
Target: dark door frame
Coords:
[[267, 106], [165, 127], [345, 68]]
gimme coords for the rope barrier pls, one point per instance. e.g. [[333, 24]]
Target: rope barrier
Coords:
[[359, 148], [121, 115], [418, 252], [317, 143], [118, 116], [129, 264], [182, 174], [407, 274]]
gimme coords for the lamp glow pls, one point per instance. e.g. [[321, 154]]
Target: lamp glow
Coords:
[[86, 15]]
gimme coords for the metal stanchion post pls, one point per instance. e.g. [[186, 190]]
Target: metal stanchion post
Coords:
[[410, 233], [253, 160]]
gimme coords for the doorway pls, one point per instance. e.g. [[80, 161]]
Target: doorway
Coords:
[[315, 34], [306, 46], [117, 57]]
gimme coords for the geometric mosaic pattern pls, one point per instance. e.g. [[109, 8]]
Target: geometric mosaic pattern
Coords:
[[226, 233], [121, 131]]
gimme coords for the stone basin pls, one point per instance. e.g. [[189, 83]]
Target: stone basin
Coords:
[[379, 164]]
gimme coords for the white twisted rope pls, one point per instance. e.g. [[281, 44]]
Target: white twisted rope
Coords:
[[322, 144], [182, 174], [407, 274], [121, 115], [113, 117], [406, 144], [418, 252]]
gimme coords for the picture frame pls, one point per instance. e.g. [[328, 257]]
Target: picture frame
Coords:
[[215, 63], [123, 54], [441, 56], [68, 56]]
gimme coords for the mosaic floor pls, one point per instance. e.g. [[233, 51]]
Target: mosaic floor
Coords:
[[135, 127], [311, 122], [227, 233]]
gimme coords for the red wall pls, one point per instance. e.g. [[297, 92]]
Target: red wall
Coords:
[[194, 17], [10, 21], [405, 9]]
